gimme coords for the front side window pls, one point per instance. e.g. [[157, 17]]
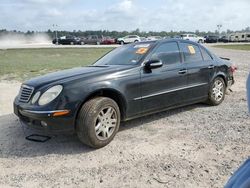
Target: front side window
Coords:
[[191, 52], [168, 53]]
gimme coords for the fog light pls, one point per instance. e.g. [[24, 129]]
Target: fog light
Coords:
[[44, 124]]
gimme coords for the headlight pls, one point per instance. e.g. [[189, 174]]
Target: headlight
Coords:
[[50, 95], [35, 97]]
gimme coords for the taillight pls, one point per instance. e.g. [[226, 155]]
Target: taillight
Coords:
[[233, 68]]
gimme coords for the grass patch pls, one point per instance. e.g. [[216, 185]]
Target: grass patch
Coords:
[[235, 47], [22, 64]]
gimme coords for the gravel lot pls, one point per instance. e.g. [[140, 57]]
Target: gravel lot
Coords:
[[194, 146]]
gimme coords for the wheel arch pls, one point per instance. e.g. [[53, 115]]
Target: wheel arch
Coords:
[[221, 75], [110, 93]]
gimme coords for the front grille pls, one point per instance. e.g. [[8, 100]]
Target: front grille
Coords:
[[25, 93]]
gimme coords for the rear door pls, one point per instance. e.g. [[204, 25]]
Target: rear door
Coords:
[[165, 86], [131, 39], [200, 70]]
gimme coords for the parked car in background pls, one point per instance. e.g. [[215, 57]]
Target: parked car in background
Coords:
[[129, 39], [169, 37], [108, 40], [92, 39], [224, 39], [154, 38], [130, 81], [192, 37], [70, 40], [143, 39], [211, 39]]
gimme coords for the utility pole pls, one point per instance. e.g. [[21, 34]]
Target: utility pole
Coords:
[[219, 26], [55, 26]]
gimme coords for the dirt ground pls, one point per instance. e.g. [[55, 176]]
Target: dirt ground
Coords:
[[193, 146]]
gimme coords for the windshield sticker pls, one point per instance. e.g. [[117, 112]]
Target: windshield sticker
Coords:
[[141, 51], [142, 46], [191, 49]]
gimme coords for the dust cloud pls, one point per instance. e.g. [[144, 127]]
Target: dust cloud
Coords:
[[12, 40]]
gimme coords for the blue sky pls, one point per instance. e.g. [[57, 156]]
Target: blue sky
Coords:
[[147, 15]]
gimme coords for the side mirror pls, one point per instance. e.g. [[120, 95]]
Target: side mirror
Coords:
[[153, 64]]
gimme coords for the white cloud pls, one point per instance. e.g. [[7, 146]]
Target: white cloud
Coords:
[[125, 5], [48, 1], [53, 12], [125, 14]]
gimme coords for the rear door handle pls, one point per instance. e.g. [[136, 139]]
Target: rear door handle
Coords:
[[183, 71], [210, 66]]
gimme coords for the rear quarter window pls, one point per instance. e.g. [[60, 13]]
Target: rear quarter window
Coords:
[[190, 52], [206, 55]]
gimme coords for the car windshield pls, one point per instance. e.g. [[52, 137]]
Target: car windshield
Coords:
[[124, 55]]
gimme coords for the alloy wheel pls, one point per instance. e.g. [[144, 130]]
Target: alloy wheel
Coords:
[[218, 90], [106, 123]]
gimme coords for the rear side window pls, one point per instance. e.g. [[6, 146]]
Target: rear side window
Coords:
[[168, 53], [205, 55], [191, 52]]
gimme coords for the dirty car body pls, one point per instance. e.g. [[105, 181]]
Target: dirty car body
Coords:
[[141, 78]]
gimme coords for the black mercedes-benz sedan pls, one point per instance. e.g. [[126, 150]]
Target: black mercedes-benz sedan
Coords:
[[129, 82]]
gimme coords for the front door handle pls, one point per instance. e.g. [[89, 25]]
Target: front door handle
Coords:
[[183, 71], [210, 66]]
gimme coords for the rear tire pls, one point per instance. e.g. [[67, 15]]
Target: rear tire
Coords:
[[122, 43], [98, 122], [217, 92]]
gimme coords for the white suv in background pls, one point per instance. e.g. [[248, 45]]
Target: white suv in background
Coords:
[[129, 39], [193, 37]]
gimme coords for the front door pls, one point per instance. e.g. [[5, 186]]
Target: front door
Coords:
[[165, 86]]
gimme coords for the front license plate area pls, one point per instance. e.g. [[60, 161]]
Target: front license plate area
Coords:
[[37, 138]]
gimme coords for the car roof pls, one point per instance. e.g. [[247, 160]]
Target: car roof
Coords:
[[167, 40]]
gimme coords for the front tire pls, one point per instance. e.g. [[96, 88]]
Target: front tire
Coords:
[[217, 91], [98, 122]]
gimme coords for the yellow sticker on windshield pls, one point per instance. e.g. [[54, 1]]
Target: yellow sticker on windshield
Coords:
[[191, 49], [141, 50]]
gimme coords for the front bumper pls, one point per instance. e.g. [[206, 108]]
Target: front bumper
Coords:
[[45, 121]]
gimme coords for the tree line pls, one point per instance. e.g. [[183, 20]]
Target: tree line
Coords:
[[117, 34]]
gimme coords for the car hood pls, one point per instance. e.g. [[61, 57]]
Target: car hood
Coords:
[[69, 74]]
